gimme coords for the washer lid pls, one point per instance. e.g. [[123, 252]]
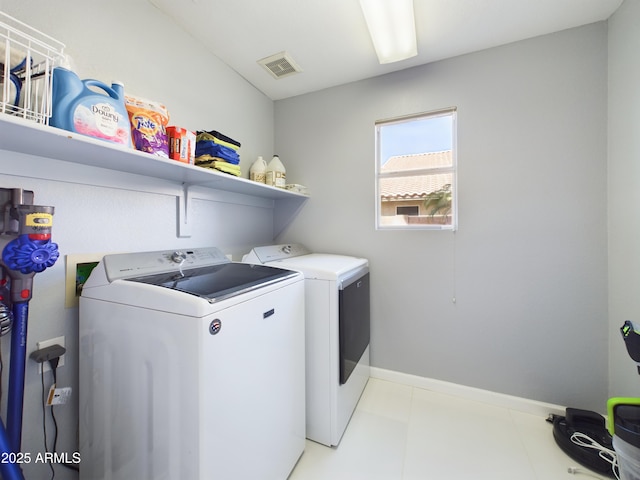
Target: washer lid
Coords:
[[218, 282]]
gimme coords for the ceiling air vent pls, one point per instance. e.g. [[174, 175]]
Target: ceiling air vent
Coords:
[[280, 65]]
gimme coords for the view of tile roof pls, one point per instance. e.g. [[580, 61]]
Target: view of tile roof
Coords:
[[414, 186]]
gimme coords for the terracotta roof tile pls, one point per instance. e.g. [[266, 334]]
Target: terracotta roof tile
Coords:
[[419, 160], [415, 186]]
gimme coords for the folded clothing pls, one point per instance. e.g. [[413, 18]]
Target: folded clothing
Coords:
[[207, 158], [220, 165], [219, 138], [209, 147], [217, 151], [204, 160]]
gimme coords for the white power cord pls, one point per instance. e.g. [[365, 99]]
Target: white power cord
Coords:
[[605, 453], [582, 471]]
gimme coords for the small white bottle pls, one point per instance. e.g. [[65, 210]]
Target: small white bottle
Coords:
[[276, 173], [258, 171]]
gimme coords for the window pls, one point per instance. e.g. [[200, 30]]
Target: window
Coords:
[[416, 172], [408, 210]]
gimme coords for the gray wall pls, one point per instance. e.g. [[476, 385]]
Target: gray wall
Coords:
[[624, 192], [528, 266], [98, 211]]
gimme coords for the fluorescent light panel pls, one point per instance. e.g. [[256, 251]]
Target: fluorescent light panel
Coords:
[[392, 27]]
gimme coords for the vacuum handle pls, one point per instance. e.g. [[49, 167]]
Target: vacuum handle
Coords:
[[631, 339]]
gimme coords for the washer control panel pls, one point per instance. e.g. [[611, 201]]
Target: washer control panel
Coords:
[[127, 265]]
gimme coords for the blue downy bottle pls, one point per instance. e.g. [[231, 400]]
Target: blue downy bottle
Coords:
[[89, 107]]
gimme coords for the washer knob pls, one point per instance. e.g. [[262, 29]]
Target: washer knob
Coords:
[[286, 249], [178, 257]]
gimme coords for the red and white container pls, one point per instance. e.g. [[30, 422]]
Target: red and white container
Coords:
[[182, 144]]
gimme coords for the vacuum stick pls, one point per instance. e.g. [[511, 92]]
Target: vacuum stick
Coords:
[[26, 254]]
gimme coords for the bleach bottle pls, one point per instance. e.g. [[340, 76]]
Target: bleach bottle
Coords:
[[276, 173], [89, 107], [258, 170]]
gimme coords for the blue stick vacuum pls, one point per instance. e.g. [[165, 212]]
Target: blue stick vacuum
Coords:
[[25, 254]]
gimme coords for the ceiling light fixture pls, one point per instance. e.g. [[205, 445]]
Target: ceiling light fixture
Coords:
[[392, 27]]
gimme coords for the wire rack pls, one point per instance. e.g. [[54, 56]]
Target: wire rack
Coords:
[[27, 59]]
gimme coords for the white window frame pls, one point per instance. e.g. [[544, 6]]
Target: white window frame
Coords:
[[452, 111]]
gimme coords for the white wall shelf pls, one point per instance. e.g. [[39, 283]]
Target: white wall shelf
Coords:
[[31, 138]]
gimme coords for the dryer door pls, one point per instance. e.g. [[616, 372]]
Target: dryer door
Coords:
[[354, 323]]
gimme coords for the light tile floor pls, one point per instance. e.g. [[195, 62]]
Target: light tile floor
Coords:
[[399, 432]]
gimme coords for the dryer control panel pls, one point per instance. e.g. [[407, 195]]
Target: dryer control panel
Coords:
[[271, 253]]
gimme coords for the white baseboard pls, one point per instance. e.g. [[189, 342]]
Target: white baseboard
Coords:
[[525, 405]]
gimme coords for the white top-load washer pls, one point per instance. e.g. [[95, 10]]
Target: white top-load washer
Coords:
[[337, 311], [191, 367]]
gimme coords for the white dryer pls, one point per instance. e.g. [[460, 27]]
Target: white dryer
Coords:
[[337, 311], [191, 367]]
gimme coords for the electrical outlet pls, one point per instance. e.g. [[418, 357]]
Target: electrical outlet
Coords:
[[44, 366], [58, 396]]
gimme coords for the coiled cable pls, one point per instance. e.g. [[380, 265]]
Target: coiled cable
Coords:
[[605, 453]]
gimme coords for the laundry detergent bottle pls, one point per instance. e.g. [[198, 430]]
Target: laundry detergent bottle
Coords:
[[89, 107], [276, 173], [258, 170]]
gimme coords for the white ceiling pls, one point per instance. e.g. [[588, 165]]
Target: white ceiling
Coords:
[[329, 40]]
